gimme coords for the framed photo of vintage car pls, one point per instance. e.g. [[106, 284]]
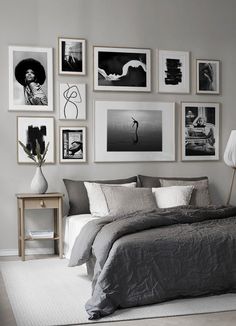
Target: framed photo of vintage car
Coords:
[[200, 131]]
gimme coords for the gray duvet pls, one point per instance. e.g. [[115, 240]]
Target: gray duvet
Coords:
[[150, 257]]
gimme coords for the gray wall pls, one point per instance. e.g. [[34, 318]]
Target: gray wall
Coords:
[[206, 28]]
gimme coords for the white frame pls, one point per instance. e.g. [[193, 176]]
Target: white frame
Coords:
[[216, 134], [22, 123], [76, 107], [100, 132], [147, 52], [76, 160], [14, 86], [184, 57], [217, 80], [76, 40]]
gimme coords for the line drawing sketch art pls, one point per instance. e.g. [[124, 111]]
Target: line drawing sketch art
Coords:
[[72, 97]]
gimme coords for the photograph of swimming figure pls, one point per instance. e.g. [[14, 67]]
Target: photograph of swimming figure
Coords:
[[134, 130]]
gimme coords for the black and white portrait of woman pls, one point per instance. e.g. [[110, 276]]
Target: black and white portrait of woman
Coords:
[[30, 79], [121, 69]]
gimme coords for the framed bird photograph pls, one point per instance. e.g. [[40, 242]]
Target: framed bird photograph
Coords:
[[72, 144], [122, 69], [30, 79]]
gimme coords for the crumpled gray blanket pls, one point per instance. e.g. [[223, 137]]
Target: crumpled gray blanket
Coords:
[[151, 257]]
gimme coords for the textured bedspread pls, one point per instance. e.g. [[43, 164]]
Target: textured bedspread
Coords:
[[151, 257]]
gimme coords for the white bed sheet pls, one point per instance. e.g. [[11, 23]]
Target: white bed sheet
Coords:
[[72, 227]]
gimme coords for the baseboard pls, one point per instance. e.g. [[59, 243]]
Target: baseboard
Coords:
[[34, 251]]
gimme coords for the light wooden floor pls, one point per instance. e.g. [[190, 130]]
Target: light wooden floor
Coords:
[[213, 319]]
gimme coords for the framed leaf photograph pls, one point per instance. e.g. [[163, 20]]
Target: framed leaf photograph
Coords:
[[32, 129]]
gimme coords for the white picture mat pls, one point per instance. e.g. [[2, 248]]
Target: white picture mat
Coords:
[[15, 86], [184, 86], [98, 49], [100, 131], [22, 126], [80, 102], [217, 124]]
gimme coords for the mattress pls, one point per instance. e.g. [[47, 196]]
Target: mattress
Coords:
[[72, 226]]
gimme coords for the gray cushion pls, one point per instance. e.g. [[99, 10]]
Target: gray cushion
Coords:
[[77, 193], [121, 200], [200, 195]]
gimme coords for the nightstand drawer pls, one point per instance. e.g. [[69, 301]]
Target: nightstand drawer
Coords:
[[37, 203]]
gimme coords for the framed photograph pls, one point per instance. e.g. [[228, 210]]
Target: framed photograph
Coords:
[[200, 131], [72, 144], [30, 129], [71, 56], [173, 72], [208, 76], [30, 79], [122, 69], [72, 101], [134, 131]]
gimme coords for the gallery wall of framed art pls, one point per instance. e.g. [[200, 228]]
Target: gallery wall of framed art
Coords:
[[123, 131]]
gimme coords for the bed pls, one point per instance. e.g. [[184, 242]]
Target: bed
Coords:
[[150, 255]]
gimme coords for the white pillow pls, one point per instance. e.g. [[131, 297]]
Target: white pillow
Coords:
[[97, 201], [172, 196]]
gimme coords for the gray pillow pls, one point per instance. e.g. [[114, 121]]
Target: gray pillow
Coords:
[[77, 194], [145, 181], [121, 200], [200, 195]]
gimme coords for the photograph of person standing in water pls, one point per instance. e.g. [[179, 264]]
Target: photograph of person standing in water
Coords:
[[134, 130]]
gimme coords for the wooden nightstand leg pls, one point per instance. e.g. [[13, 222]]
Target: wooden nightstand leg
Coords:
[[22, 230], [56, 251], [19, 228], [60, 228]]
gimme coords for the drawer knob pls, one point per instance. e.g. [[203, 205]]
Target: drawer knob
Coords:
[[42, 203]]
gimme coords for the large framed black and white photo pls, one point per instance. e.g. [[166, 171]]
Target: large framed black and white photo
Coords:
[[134, 131], [30, 129], [173, 72], [122, 69], [72, 101], [200, 131], [208, 76], [72, 144], [30, 79], [71, 56]]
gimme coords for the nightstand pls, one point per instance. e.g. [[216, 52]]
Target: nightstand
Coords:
[[40, 201]]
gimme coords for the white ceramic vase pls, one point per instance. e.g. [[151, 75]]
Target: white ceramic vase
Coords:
[[39, 184]]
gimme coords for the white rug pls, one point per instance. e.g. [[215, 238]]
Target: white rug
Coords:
[[47, 292]]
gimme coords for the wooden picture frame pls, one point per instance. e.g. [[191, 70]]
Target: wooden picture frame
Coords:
[[173, 71], [72, 144], [30, 79], [122, 69], [200, 131], [134, 131], [31, 128], [71, 56], [208, 76]]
